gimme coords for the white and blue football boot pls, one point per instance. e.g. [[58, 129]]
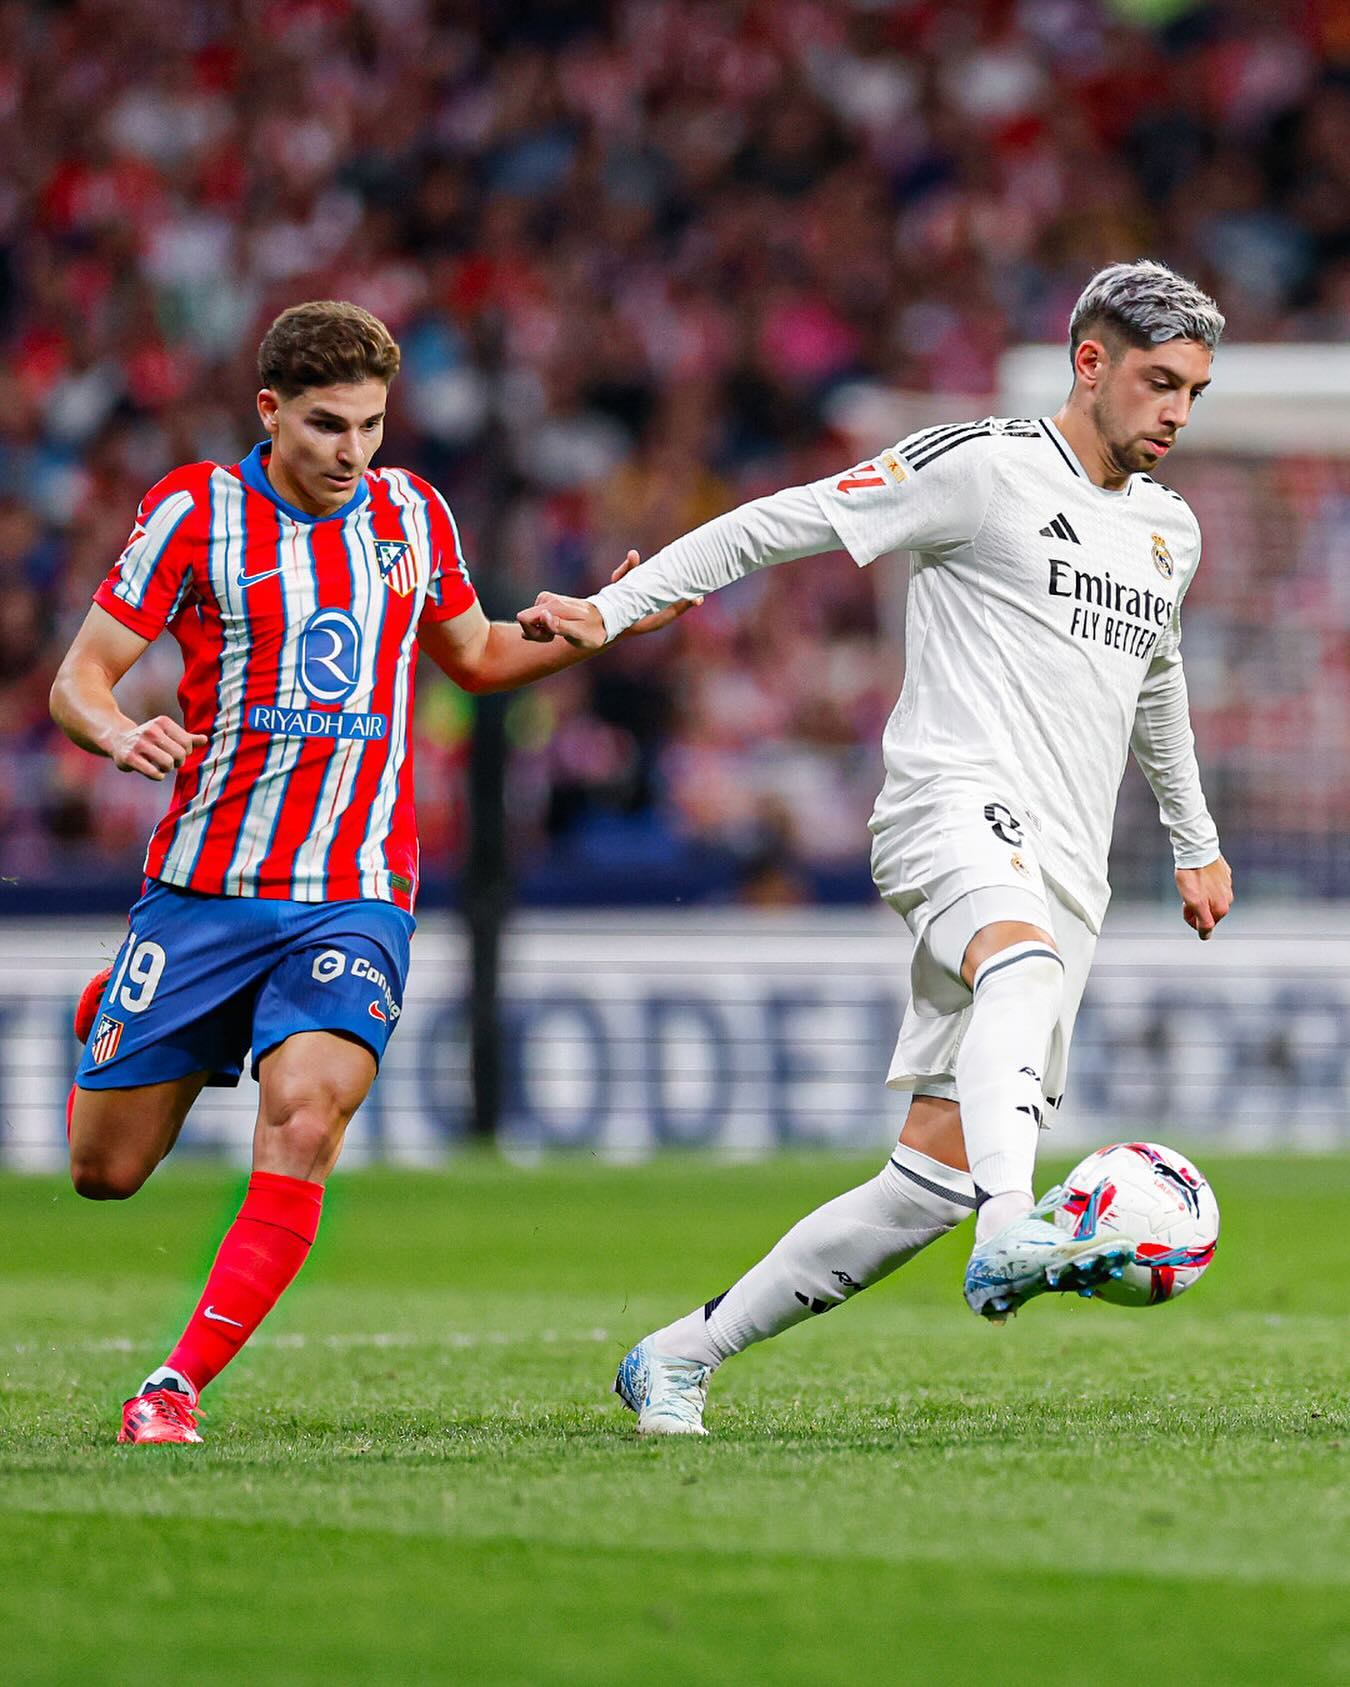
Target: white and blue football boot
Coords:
[[1034, 1256], [668, 1394]]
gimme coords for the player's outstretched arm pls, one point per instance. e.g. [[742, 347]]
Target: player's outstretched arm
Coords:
[[83, 705], [482, 655], [779, 528]]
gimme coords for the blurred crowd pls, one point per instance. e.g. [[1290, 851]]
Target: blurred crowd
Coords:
[[643, 258]]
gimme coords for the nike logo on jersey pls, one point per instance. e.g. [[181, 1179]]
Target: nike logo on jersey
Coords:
[[220, 1318], [247, 580], [1059, 529]]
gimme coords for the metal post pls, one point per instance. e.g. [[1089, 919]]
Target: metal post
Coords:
[[487, 902], [487, 885]]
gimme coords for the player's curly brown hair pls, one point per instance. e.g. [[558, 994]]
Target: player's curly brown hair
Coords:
[[326, 343]]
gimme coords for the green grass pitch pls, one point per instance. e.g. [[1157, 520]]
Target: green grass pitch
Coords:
[[417, 1473]]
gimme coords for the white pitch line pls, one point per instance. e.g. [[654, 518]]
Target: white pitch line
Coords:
[[457, 1339]]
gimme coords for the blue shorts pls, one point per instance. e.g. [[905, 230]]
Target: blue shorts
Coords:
[[202, 979]]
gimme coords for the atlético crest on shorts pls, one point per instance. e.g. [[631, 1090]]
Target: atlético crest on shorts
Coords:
[[106, 1038], [398, 565]]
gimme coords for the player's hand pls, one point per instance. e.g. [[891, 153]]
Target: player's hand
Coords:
[[155, 748], [570, 618], [1206, 895], [581, 623]]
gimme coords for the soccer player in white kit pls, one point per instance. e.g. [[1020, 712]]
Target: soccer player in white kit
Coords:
[[1043, 644]]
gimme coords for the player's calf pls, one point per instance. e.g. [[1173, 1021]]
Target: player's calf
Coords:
[[828, 1257]]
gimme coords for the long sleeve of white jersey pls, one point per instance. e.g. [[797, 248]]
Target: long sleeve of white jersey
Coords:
[[943, 505], [779, 528], [1164, 746]]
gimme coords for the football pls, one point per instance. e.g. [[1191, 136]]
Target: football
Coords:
[[1157, 1198]]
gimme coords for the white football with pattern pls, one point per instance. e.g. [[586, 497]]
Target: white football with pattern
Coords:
[[1157, 1198]]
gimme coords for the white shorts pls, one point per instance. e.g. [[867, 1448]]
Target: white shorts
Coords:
[[963, 866]]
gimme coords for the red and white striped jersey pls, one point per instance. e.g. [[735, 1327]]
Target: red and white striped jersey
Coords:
[[299, 641]]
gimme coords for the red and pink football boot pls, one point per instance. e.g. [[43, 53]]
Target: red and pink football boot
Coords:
[[164, 1415]]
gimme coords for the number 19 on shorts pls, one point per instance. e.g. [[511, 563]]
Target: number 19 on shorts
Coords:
[[136, 980]]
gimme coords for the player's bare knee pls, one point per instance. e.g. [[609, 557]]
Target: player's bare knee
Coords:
[[1000, 935], [106, 1180], [306, 1118], [304, 1100]]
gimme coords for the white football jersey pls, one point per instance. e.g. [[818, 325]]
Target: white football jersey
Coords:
[[1042, 631], [1037, 602]]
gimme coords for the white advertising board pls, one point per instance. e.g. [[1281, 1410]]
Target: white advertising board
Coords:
[[746, 1033]]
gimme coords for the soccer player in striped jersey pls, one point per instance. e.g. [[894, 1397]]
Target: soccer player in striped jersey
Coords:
[[279, 887], [1043, 643]]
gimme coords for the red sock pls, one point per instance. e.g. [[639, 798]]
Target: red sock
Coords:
[[262, 1251]]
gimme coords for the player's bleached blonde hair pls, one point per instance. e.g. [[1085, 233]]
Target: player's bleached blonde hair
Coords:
[[326, 343], [1144, 304]]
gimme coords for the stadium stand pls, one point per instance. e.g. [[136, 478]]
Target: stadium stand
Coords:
[[657, 240]]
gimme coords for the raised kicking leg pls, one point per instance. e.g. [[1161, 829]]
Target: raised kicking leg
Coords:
[[1016, 979], [310, 1086], [846, 1245]]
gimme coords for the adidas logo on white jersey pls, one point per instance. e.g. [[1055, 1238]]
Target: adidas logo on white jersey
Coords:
[[1059, 529]]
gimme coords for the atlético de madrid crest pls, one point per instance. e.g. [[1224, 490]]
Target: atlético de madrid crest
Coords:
[[1162, 557], [398, 565], [105, 1039]]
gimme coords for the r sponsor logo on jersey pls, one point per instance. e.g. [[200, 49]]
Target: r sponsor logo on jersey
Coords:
[[330, 656], [106, 1038], [1162, 557], [398, 565]]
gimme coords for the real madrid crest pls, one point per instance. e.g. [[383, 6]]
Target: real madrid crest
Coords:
[[1162, 557], [398, 564]]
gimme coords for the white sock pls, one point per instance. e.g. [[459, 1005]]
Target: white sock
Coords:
[[846, 1245], [166, 1373], [998, 1212], [999, 1074]]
